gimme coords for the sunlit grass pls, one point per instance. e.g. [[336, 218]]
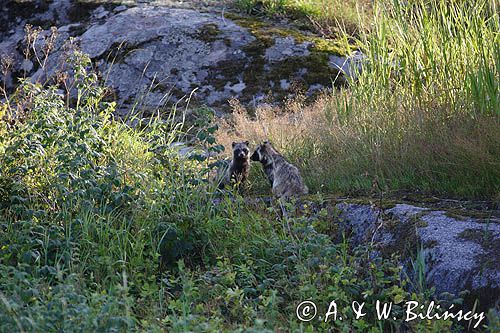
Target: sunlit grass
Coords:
[[327, 17], [423, 115]]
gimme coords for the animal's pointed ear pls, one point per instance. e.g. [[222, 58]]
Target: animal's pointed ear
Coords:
[[233, 144], [247, 143]]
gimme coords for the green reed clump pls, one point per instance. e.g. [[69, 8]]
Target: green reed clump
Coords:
[[426, 104], [420, 114], [434, 52]]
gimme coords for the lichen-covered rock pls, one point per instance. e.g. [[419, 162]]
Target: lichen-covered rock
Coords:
[[70, 17], [157, 56], [461, 253]]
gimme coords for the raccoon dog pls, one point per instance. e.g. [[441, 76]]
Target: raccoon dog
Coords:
[[284, 177], [238, 168]]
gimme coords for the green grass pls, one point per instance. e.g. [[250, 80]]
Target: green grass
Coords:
[[327, 17], [423, 115], [106, 228]]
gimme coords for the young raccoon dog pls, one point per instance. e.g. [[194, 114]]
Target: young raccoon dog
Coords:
[[284, 177], [238, 168]]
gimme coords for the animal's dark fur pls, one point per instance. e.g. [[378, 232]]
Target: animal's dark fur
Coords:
[[284, 177], [238, 169]]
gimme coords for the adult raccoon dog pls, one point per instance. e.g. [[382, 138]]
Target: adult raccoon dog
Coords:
[[238, 168], [284, 177]]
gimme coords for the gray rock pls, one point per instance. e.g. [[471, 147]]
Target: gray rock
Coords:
[[314, 88], [284, 84], [461, 253], [182, 149], [120, 8], [237, 88], [286, 47], [359, 221], [26, 65], [351, 65], [100, 13], [154, 57]]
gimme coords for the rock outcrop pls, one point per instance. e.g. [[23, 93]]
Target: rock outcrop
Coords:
[[460, 252], [153, 57]]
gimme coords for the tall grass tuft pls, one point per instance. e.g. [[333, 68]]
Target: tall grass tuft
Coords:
[[422, 115]]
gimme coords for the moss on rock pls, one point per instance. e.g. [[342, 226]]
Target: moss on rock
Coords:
[[262, 30], [208, 32], [260, 74], [406, 239]]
